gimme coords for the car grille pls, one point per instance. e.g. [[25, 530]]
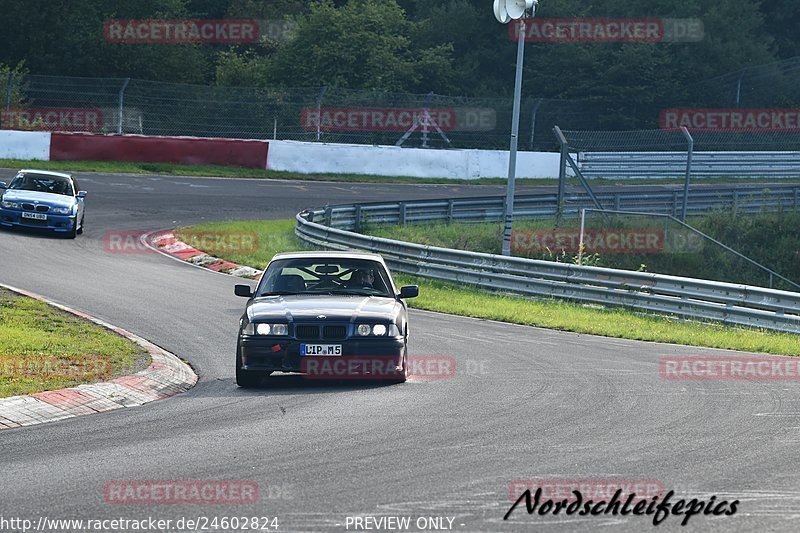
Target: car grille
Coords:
[[334, 332], [312, 332], [34, 222], [304, 332], [39, 208]]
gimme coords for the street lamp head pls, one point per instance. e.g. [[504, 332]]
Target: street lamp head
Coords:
[[518, 9], [500, 12]]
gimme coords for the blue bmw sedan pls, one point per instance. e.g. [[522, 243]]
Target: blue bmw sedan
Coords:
[[43, 199]]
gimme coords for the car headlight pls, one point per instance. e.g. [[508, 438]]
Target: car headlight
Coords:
[[9, 205], [277, 330], [61, 210], [377, 330]]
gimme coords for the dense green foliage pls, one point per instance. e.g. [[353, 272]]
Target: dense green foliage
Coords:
[[446, 46]]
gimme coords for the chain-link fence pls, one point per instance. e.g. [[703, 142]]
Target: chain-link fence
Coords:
[[120, 105], [674, 140]]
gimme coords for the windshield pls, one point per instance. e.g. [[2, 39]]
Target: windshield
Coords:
[[315, 275], [42, 183]]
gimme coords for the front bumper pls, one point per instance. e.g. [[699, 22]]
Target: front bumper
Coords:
[[13, 218], [368, 358]]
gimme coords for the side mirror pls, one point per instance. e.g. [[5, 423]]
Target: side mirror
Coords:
[[81, 194], [243, 290], [3, 185], [409, 291]]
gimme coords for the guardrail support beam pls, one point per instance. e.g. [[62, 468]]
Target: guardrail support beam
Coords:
[[357, 222]]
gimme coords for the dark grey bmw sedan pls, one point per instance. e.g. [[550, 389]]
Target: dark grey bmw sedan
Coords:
[[327, 315]]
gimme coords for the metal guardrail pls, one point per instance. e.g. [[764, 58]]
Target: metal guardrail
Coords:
[[701, 201], [620, 165], [727, 303]]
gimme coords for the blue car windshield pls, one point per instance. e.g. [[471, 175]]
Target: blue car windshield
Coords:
[[42, 183]]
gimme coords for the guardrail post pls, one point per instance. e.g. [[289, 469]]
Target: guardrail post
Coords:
[[450, 206], [675, 203], [617, 201], [562, 169], [402, 214], [689, 154], [735, 202], [9, 87], [357, 223], [796, 197], [121, 103], [328, 216]]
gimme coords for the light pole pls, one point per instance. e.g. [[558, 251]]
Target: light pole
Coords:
[[505, 11]]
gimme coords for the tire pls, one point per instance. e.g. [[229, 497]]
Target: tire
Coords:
[[247, 379], [404, 376], [71, 234], [80, 231]]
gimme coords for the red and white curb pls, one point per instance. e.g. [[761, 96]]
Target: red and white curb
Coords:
[[166, 376], [166, 243]]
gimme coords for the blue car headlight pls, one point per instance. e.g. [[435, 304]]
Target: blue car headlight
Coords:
[[9, 205], [61, 210]]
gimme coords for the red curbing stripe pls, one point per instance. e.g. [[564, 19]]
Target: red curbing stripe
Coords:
[[222, 265], [175, 248]]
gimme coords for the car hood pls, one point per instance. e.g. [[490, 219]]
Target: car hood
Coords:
[[45, 198], [335, 308]]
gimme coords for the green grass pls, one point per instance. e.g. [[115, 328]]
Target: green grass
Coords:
[[43, 348], [272, 237], [458, 300], [121, 167]]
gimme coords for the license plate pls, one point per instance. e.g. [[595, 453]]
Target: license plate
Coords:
[[37, 216], [321, 350]]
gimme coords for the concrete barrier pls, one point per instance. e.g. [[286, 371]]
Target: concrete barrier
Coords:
[[186, 150], [28, 145], [322, 158]]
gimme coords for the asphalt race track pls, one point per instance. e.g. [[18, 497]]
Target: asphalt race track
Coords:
[[551, 405]]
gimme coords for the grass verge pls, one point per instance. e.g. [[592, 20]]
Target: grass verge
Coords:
[[457, 300], [43, 348], [122, 167]]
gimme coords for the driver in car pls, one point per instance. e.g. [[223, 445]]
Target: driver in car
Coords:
[[361, 279]]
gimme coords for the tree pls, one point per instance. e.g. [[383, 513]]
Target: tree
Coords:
[[365, 44], [65, 37]]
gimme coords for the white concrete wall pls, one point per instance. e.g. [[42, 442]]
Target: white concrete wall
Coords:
[[321, 158], [25, 145]]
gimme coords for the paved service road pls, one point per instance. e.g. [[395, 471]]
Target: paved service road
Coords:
[[552, 405]]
